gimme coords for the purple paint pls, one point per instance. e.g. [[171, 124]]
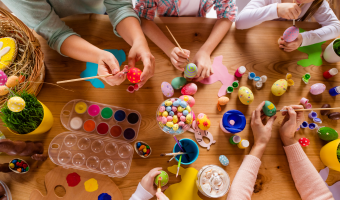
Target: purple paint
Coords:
[[93, 110], [129, 134]]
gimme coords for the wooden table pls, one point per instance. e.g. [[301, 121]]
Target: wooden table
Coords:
[[255, 48]]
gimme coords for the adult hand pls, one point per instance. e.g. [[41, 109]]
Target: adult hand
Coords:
[[204, 67], [290, 46], [178, 58], [290, 124], [140, 51], [148, 181], [288, 10], [161, 196], [108, 64]]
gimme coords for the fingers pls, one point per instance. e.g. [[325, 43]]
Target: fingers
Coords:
[[131, 61], [154, 172], [271, 120], [292, 114], [161, 196], [258, 110], [182, 55], [179, 56], [149, 68], [298, 10]]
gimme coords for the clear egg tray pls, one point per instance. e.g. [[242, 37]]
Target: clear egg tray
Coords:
[[125, 128], [93, 153]]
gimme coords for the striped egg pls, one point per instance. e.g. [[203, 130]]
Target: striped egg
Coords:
[[190, 70], [291, 34]]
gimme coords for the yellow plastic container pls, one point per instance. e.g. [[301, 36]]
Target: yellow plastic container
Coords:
[[45, 125], [328, 155]]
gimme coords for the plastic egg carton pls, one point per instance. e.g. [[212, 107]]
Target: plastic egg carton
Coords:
[[92, 153]]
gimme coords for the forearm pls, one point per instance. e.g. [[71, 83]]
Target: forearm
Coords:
[[130, 30], [157, 36], [257, 150], [79, 49], [219, 30]]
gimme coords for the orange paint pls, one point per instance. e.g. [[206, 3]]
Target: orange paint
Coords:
[[89, 125]]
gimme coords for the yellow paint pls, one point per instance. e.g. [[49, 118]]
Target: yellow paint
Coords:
[[7, 59], [91, 185], [271, 106], [80, 107], [186, 189]]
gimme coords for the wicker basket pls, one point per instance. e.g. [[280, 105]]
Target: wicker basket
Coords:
[[30, 58]]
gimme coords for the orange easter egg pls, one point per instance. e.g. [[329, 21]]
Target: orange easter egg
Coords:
[[12, 81]]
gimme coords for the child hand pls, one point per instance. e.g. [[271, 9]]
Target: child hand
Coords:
[[290, 46], [178, 58], [108, 64], [148, 181], [290, 124], [288, 10], [203, 63], [116, 79], [161, 196], [262, 133]]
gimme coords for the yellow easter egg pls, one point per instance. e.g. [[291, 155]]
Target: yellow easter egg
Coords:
[[168, 103], [169, 124], [175, 127], [165, 114], [203, 122], [16, 104], [188, 119], [12, 81], [245, 95], [180, 109], [188, 108], [279, 87], [3, 90], [8, 52], [175, 119]]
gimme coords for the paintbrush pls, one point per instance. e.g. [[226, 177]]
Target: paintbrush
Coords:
[[171, 159], [312, 109], [173, 154], [179, 165], [159, 186], [176, 41], [182, 148]]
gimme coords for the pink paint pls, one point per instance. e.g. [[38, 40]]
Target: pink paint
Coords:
[[93, 110], [73, 179], [220, 74], [240, 71]]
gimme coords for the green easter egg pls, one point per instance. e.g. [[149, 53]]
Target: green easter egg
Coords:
[[327, 134], [269, 109], [178, 82], [165, 178]]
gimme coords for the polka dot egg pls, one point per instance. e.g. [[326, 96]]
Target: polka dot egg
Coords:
[[279, 87], [167, 89], [134, 74], [245, 95], [3, 78], [224, 160], [16, 104], [291, 34]]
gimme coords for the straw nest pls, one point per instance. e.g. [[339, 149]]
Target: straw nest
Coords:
[[29, 59]]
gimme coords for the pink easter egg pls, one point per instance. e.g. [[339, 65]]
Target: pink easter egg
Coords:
[[317, 88], [182, 118], [291, 34], [169, 118], [162, 109], [3, 78], [189, 99], [164, 120], [189, 89], [181, 124], [179, 114], [174, 109], [173, 100], [167, 89]]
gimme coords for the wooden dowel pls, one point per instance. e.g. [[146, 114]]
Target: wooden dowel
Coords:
[[312, 109], [176, 41], [82, 79]]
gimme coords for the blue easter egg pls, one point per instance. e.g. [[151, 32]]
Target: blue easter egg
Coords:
[[171, 113], [183, 104], [168, 108], [224, 160], [185, 112], [176, 103]]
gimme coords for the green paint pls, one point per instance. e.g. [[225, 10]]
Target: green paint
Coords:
[[230, 89], [235, 84], [107, 113], [314, 54]]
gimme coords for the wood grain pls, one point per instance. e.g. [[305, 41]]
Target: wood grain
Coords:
[[255, 48]]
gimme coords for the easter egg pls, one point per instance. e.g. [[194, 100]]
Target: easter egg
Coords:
[[203, 122], [188, 119], [133, 75], [165, 114], [168, 103], [224, 160], [175, 119], [178, 82], [189, 99], [269, 109], [245, 95], [317, 88], [167, 89], [189, 89], [190, 70], [16, 104], [170, 124], [291, 34], [8, 52], [180, 109], [223, 100], [12, 81], [165, 178], [279, 87], [3, 90], [3, 78]]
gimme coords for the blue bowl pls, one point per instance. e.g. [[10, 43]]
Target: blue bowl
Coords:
[[191, 147]]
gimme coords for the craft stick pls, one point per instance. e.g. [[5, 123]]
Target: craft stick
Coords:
[[173, 154], [83, 79], [312, 109], [176, 41]]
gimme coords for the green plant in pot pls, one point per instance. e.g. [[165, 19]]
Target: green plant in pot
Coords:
[[332, 52], [33, 117]]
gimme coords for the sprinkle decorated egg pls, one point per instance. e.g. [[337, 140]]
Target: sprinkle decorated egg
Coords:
[[189, 89], [190, 70], [3, 78], [3, 90], [167, 89], [291, 34], [178, 82], [279, 87], [12, 81], [16, 104], [8, 52], [245, 95], [134, 74], [203, 121], [189, 99], [317, 88]]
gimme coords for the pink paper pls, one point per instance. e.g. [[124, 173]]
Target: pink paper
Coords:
[[335, 188], [220, 74]]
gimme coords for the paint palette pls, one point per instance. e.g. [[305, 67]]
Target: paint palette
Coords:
[[104, 120], [92, 152]]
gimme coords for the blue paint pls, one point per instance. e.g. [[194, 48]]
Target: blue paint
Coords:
[[334, 91], [120, 115], [92, 68], [304, 124], [104, 196]]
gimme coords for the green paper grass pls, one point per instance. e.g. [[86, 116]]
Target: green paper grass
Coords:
[[28, 119], [336, 46]]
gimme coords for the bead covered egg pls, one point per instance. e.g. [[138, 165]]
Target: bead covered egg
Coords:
[[203, 122], [291, 34], [317, 88], [189, 99], [167, 89], [133, 75], [189, 89], [279, 87], [245, 95], [178, 82]]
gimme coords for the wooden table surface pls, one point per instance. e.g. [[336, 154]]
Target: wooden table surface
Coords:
[[255, 48]]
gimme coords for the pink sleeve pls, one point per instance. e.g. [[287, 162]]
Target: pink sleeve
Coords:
[[244, 181], [146, 9], [307, 180]]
